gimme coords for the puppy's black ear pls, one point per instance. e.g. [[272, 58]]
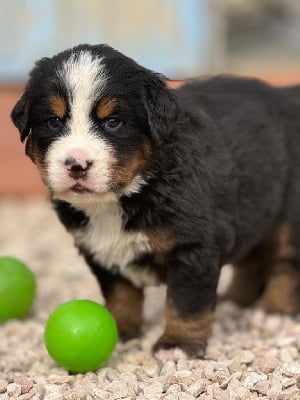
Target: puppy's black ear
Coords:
[[19, 116], [161, 107]]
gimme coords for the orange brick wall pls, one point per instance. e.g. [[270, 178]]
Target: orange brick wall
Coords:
[[18, 176]]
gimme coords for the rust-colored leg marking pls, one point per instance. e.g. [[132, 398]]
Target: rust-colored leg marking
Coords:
[[282, 290], [247, 283], [267, 275], [189, 333], [125, 302]]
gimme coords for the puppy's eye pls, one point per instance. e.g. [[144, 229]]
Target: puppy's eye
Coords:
[[54, 123], [112, 123]]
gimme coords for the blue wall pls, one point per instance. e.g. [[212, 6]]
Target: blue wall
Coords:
[[168, 36]]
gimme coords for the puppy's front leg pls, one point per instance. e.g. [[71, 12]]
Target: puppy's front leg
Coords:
[[122, 299], [191, 296], [125, 302]]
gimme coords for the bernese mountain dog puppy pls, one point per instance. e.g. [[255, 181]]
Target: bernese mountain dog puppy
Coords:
[[161, 185]]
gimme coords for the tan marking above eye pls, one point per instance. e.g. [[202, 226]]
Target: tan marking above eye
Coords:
[[59, 106], [106, 107]]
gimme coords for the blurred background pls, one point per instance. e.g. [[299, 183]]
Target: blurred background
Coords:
[[179, 38]]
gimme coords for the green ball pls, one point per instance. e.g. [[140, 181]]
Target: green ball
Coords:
[[80, 335], [17, 288]]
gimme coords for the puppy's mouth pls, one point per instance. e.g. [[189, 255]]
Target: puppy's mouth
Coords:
[[80, 188]]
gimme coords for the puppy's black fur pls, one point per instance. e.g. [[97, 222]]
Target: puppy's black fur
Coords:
[[222, 176]]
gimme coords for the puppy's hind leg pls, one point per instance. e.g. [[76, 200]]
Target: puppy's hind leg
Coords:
[[249, 278], [282, 291]]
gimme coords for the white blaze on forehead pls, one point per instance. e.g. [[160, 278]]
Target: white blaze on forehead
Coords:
[[85, 78]]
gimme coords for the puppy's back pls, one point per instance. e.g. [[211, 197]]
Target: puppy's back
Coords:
[[250, 120]]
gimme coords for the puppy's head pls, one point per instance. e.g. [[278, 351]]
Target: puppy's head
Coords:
[[91, 118]]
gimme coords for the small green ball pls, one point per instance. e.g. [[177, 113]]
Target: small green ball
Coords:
[[80, 335], [17, 288]]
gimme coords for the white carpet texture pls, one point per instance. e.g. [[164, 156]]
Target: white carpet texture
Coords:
[[251, 355]]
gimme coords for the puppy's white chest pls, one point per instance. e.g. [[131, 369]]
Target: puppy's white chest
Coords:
[[113, 247]]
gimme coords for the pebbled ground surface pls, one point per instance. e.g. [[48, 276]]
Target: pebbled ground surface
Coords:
[[251, 355]]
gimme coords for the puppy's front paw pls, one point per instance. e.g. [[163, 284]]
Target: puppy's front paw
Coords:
[[192, 348]]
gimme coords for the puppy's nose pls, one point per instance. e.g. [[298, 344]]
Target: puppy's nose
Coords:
[[77, 168]]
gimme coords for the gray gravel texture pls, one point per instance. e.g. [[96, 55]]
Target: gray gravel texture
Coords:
[[251, 355]]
